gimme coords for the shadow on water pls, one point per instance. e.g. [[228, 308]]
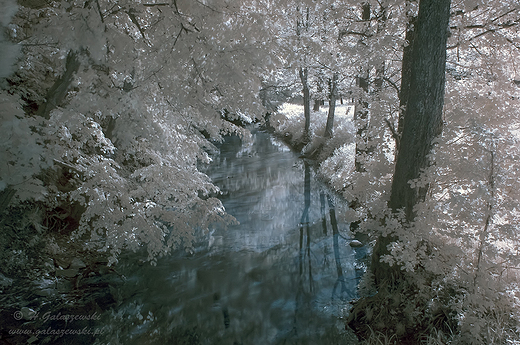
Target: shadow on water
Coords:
[[279, 277]]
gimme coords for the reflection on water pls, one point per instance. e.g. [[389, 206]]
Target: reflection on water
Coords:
[[284, 275]]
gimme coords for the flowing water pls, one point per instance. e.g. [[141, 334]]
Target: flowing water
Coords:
[[284, 275]]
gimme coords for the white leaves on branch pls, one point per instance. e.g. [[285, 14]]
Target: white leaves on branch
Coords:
[[124, 143]]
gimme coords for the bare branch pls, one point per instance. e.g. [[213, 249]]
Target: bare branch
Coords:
[[392, 129], [482, 26], [344, 33], [99, 11], [505, 14], [394, 85], [133, 18]]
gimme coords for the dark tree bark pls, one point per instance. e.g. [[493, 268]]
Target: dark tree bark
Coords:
[[404, 92], [317, 104], [422, 116], [306, 104], [361, 113], [423, 96], [366, 11], [422, 120], [302, 23], [329, 127]]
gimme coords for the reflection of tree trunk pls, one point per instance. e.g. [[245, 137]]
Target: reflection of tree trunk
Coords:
[[329, 127], [335, 242], [304, 250], [305, 223], [306, 194], [311, 282], [322, 212]]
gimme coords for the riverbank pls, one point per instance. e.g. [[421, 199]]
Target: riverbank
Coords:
[[333, 158]]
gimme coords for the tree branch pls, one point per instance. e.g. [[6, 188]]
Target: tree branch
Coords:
[[133, 18], [160, 4], [482, 26], [99, 11], [344, 33], [395, 135], [394, 85]]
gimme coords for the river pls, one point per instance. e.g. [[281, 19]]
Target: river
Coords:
[[284, 275]]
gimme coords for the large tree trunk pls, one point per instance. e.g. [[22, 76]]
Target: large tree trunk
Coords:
[[422, 122], [404, 92], [329, 127], [422, 116]]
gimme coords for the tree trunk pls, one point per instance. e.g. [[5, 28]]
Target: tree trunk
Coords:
[[361, 112], [404, 92], [329, 127], [361, 116], [306, 104], [317, 104], [422, 122], [422, 117]]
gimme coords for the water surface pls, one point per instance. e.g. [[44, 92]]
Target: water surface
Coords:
[[284, 275]]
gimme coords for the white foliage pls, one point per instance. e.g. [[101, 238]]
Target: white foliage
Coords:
[[125, 141], [338, 168]]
